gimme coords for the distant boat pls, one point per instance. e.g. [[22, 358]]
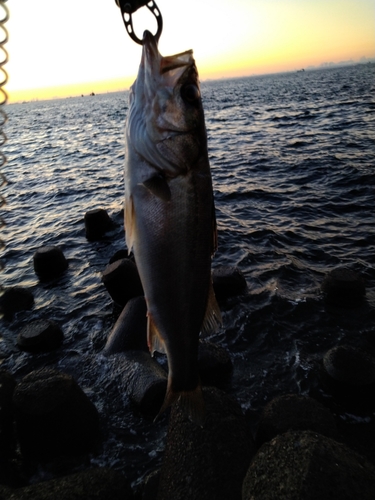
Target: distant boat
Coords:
[[300, 70], [92, 93]]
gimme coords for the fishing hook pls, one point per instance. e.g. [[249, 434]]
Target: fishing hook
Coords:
[[128, 7]]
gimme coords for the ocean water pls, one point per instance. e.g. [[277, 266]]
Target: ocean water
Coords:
[[293, 168]]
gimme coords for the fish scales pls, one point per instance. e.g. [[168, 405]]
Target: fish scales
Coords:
[[169, 214]]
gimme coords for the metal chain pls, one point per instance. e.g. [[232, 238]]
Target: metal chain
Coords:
[[4, 13]]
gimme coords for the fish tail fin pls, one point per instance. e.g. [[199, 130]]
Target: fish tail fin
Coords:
[[191, 403]]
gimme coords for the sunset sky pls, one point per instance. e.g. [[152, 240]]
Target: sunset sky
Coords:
[[74, 47]]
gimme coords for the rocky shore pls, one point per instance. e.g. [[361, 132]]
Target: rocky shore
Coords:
[[301, 449]]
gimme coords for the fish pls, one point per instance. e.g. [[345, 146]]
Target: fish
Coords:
[[170, 222]]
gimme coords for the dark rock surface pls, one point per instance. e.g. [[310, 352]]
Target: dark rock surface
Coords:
[[214, 364], [344, 287], [228, 281], [122, 281], [130, 329], [143, 379], [93, 484], [348, 373], [210, 462], [304, 465], [293, 412], [15, 299], [7, 442], [97, 223], [40, 335], [54, 416], [120, 254], [49, 262], [149, 487]]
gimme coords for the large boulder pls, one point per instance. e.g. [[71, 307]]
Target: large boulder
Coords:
[[15, 299], [7, 442], [142, 379], [54, 416], [206, 462], [122, 281], [49, 262], [294, 412], [40, 335], [97, 223], [303, 465], [214, 364], [348, 373], [130, 329], [92, 484], [228, 281], [344, 287]]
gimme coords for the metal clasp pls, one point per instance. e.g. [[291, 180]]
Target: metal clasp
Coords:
[[128, 7]]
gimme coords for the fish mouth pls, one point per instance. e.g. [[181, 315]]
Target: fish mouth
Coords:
[[157, 64], [150, 48]]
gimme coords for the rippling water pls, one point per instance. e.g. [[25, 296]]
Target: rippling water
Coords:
[[292, 159]]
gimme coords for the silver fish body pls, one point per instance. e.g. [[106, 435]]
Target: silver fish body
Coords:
[[170, 216]]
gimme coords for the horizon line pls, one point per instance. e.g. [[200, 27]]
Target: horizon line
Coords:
[[322, 66]]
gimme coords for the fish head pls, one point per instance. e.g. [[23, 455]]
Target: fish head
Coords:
[[166, 109]]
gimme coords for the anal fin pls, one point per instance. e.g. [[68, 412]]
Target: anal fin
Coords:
[[212, 320], [129, 220], [154, 339]]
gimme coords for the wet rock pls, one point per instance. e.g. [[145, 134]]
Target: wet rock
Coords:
[[54, 416], [15, 299], [40, 335], [97, 223], [344, 287], [6, 493], [349, 374], [143, 379], [214, 364], [49, 262], [7, 441], [122, 281], [120, 254], [303, 465], [293, 412], [228, 281], [93, 484], [210, 462], [130, 330], [149, 488]]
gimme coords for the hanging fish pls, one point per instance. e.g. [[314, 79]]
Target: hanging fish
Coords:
[[170, 215]]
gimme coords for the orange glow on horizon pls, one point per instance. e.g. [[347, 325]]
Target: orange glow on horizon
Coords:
[[72, 90], [89, 51]]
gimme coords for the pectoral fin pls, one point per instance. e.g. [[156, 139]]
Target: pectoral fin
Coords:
[[158, 187], [212, 319]]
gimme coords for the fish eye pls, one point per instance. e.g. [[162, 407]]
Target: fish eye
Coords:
[[190, 93]]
